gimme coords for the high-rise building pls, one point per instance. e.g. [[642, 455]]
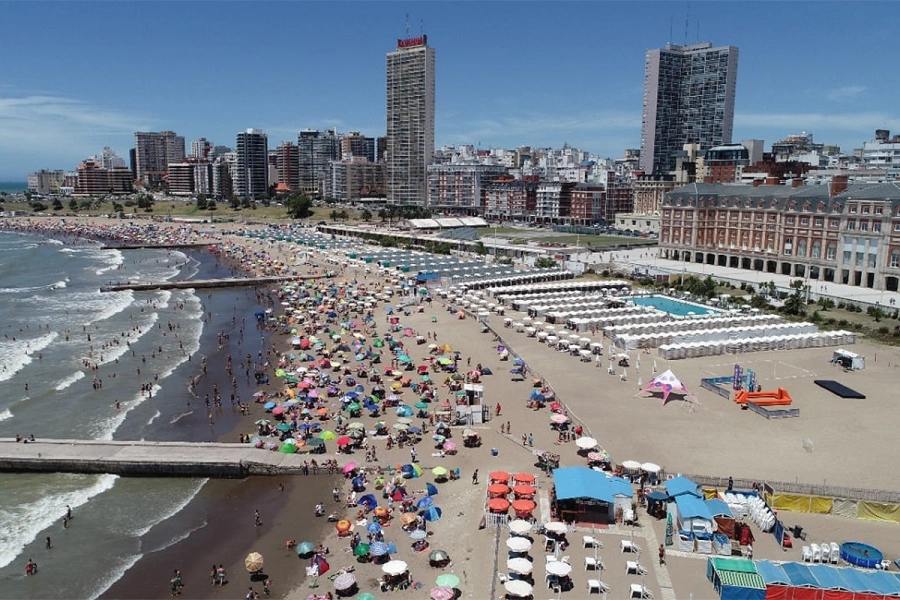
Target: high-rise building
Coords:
[[287, 163], [46, 182], [315, 151], [95, 180], [200, 148], [252, 166], [356, 144], [688, 99], [410, 120], [153, 151]]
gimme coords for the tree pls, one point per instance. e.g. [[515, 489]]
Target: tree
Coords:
[[117, 207], [201, 202], [57, 205], [382, 214], [210, 205], [366, 215], [544, 262], [795, 304], [298, 205], [343, 216], [759, 301], [73, 205], [145, 202], [480, 250], [38, 207], [334, 215]]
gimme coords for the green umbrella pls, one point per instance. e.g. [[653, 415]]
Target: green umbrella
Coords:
[[284, 427], [361, 549], [444, 360], [279, 372], [438, 555], [288, 448], [328, 436], [314, 441], [404, 358], [420, 405], [447, 580], [378, 343], [439, 472], [365, 596], [354, 407]]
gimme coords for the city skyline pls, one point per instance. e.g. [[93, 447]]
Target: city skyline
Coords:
[[510, 74]]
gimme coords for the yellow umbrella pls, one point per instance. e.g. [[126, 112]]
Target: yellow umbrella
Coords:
[[254, 562]]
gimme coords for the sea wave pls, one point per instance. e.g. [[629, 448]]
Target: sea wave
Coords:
[[179, 417], [23, 523], [5, 414], [120, 566], [15, 355], [67, 381], [172, 511], [59, 284], [104, 428], [155, 416], [112, 258]]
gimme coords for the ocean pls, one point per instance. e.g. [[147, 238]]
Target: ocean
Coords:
[[68, 354], [13, 187]]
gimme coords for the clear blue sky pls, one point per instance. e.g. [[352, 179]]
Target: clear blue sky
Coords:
[[78, 76]]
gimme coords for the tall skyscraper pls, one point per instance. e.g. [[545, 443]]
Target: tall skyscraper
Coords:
[[410, 120], [688, 99], [251, 171], [315, 149], [153, 151]]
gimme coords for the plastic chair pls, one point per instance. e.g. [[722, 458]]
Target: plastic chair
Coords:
[[596, 584], [807, 554], [589, 541]]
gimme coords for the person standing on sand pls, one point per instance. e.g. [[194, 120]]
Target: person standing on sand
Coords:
[[258, 522], [662, 555], [475, 477]]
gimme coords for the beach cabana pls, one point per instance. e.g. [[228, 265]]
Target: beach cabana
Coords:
[[722, 515], [735, 579], [681, 485], [693, 515], [622, 494], [583, 495]]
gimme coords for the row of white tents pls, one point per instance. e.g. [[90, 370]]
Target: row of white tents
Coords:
[[760, 344]]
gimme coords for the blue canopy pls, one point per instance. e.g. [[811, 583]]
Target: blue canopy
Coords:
[[620, 487], [718, 508], [800, 575], [582, 483], [431, 489], [681, 485], [691, 507], [772, 573]]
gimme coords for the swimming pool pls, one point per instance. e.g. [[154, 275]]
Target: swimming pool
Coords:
[[672, 306]]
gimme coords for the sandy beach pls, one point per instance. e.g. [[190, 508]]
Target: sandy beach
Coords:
[[715, 439]]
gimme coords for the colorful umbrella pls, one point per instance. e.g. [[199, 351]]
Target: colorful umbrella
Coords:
[[447, 580], [305, 548], [527, 478], [378, 549], [499, 476], [328, 436], [344, 581], [442, 593], [424, 502], [432, 513], [498, 504], [439, 472], [361, 549], [344, 440], [349, 467]]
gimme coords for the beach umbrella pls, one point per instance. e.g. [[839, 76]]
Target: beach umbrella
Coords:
[[527, 478], [278, 410], [344, 581], [420, 405], [524, 490], [468, 432], [374, 527], [449, 446], [404, 411], [361, 549], [378, 549], [405, 420], [631, 465], [650, 467], [408, 518], [424, 502], [438, 472], [263, 422], [438, 555], [499, 476], [418, 534], [522, 566], [519, 526], [415, 430], [314, 441], [498, 504], [518, 544], [254, 562], [559, 568], [432, 513], [283, 427], [586, 443], [438, 438], [395, 567], [518, 588], [559, 419], [288, 448], [498, 489], [442, 593], [596, 456], [368, 501], [447, 580], [356, 425], [349, 467], [556, 527], [269, 405], [305, 548], [344, 440], [430, 488], [523, 506], [328, 435], [365, 596]]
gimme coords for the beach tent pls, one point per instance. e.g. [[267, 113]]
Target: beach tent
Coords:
[[667, 383], [735, 579], [785, 581], [622, 493], [693, 515], [722, 515], [681, 485], [584, 495]]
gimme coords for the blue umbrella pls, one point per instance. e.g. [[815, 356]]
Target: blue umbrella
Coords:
[[518, 362], [304, 426], [424, 503], [269, 405], [304, 548], [378, 549], [352, 395], [432, 513], [419, 534], [357, 481], [516, 371], [415, 430], [404, 411], [373, 527], [368, 501], [431, 489]]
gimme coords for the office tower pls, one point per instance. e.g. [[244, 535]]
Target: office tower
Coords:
[[410, 120], [154, 150], [252, 165], [688, 99], [315, 150]]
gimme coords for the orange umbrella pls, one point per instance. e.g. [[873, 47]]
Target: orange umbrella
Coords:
[[498, 489], [381, 512], [408, 518], [524, 490], [501, 476], [523, 506], [322, 412], [524, 478], [342, 526], [498, 504]]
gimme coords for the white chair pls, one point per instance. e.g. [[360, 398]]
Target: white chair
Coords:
[[835, 553], [807, 554], [502, 577], [817, 552], [639, 591], [590, 562], [628, 546], [549, 558], [632, 567], [589, 541], [565, 559], [596, 584]]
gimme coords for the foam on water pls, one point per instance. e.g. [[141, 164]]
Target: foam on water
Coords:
[[113, 260], [5, 414], [15, 355], [155, 416], [23, 523], [120, 567], [105, 427], [59, 284], [179, 417], [173, 510], [66, 382]]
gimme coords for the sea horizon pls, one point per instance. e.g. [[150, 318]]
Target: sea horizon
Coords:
[[12, 186]]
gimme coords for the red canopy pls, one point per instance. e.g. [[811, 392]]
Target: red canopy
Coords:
[[498, 504], [523, 478], [524, 490], [498, 489], [500, 476], [523, 506]]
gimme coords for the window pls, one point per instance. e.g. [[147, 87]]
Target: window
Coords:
[[830, 252], [834, 223], [801, 248], [851, 225], [818, 222], [896, 226], [852, 209], [865, 209], [863, 225], [876, 226], [847, 256], [878, 210], [859, 258], [790, 220], [804, 220], [895, 259], [872, 260], [816, 249]]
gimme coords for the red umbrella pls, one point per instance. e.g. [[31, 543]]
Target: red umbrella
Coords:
[[304, 343], [555, 406], [498, 504], [524, 478], [498, 489], [343, 441], [524, 490], [523, 506], [278, 411], [499, 476]]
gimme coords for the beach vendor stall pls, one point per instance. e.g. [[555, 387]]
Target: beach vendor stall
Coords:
[[582, 495]]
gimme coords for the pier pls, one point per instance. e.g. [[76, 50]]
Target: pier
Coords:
[[202, 283], [147, 459]]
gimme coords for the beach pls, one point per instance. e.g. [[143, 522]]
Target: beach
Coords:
[[713, 438]]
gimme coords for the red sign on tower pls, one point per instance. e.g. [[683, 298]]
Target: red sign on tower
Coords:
[[412, 42]]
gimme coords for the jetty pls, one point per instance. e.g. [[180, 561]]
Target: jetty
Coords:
[[185, 284], [147, 459], [185, 245]]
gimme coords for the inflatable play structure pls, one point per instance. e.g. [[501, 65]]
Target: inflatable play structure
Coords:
[[779, 397]]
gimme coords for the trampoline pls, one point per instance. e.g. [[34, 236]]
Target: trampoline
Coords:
[[861, 555]]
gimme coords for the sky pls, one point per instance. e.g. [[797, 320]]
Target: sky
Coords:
[[86, 75]]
